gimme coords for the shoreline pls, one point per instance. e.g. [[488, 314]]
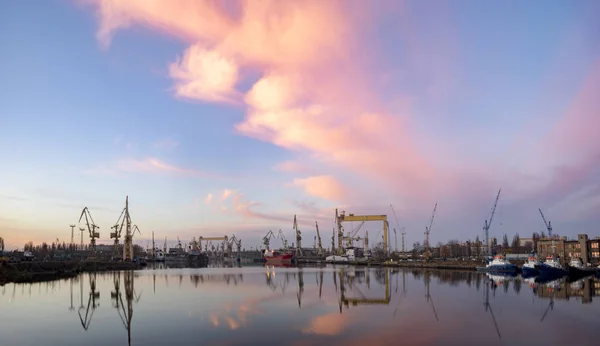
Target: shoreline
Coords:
[[31, 272]]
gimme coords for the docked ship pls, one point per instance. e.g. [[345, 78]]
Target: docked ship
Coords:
[[499, 265], [576, 269], [551, 266], [274, 256], [528, 269]]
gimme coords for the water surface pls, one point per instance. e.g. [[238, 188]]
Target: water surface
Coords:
[[339, 305]]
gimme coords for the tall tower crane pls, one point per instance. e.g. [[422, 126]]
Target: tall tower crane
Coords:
[[486, 226], [547, 223], [427, 231], [403, 248], [319, 244], [298, 238], [91, 229], [549, 228]]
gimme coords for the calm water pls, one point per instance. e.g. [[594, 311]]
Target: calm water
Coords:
[[339, 305]]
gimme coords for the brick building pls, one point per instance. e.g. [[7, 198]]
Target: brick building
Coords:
[[586, 249]]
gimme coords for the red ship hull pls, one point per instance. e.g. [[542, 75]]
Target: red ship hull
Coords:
[[277, 257]]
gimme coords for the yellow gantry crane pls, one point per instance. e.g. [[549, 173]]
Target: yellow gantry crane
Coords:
[[342, 217]]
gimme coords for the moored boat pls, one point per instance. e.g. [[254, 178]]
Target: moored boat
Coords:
[[576, 269], [499, 265], [274, 256], [528, 268], [551, 266]]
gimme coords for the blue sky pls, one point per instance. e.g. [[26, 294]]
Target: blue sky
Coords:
[[399, 104]]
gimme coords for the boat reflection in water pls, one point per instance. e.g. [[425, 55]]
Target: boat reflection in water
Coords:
[[337, 304]]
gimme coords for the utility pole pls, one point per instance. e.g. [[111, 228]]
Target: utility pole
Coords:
[[403, 248], [81, 229], [72, 235]]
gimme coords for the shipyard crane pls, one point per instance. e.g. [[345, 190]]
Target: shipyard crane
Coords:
[[487, 224], [238, 244], [298, 238], [547, 224], [125, 221], [352, 236], [91, 229], [267, 239], [319, 244], [333, 241], [116, 235], [342, 217], [283, 239], [427, 231]]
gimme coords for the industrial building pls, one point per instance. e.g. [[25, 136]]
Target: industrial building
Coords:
[[582, 247]]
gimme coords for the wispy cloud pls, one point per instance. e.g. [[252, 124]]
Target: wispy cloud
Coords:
[[149, 165], [166, 143], [208, 199]]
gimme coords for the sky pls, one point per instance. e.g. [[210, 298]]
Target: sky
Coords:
[[221, 118]]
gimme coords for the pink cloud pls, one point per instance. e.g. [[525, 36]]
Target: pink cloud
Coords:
[[317, 96], [205, 75], [323, 186], [208, 199]]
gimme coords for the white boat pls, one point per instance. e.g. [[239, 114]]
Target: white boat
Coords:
[[499, 265], [528, 268], [352, 254], [551, 266]]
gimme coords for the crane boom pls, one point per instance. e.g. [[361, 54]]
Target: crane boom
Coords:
[[319, 245], [486, 226], [547, 223], [427, 231]]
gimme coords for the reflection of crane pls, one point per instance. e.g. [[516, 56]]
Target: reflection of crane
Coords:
[[91, 229], [487, 224], [282, 236], [298, 238], [85, 321], [363, 300], [267, 239], [550, 307], [488, 306], [342, 217], [300, 287], [125, 315], [426, 279], [427, 231], [319, 244]]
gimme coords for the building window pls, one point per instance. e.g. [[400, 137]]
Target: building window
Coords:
[[595, 254]]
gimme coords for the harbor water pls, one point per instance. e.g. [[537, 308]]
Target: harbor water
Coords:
[[266, 305]]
